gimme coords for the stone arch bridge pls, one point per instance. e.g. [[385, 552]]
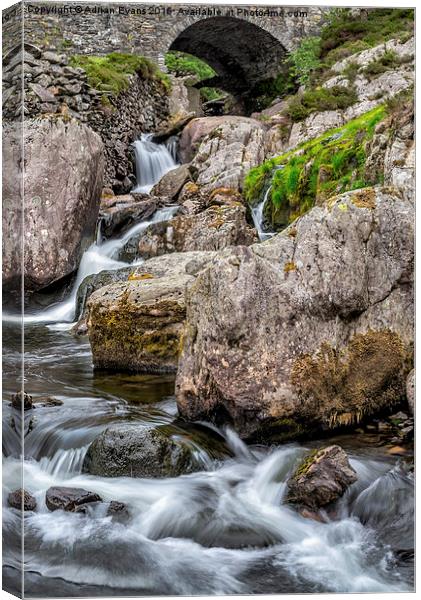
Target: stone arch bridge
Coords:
[[244, 44]]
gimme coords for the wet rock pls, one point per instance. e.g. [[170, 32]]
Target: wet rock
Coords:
[[172, 128], [45, 401], [131, 450], [117, 509], [21, 499], [309, 330], [124, 212], [95, 282], [410, 391], [137, 325], [68, 499], [22, 400], [321, 478], [170, 184], [216, 228], [59, 219]]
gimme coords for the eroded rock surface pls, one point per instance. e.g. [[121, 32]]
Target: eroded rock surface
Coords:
[[308, 330], [21, 499], [63, 180], [216, 228]]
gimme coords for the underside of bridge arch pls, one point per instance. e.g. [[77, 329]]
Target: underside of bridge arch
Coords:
[[241, 53]]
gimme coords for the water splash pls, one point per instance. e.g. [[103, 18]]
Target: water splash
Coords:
[[153, 161]]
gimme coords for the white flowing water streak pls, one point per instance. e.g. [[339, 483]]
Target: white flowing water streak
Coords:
[[257, 215], [95, 259], [153, 161]]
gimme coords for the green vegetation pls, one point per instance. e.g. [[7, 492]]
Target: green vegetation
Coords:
[[303, 104], [110, 73], [182, 64], [388, 61], [318, 169], [344, 35], [305, 60]]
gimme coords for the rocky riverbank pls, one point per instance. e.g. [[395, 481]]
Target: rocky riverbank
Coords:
[[227, 364]]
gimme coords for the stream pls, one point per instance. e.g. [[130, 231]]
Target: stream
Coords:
[[222, 530]]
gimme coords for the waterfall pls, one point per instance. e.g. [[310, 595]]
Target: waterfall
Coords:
[[257, 215], [153, 161]]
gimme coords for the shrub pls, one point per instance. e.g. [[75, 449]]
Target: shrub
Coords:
[[305, 60], [302, 105], [110, 73], [181, 64]]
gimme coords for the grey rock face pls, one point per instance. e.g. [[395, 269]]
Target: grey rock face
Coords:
[[63, 181], [309, 329], [68, 499], [131, 450], [170, 184], [216, 228], [321, 478], [227, 153]]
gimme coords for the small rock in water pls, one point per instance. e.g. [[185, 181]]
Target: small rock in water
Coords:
[[47, 401], [22, 399], [321, 478], [69, 499], [118, 510], [21, 498]]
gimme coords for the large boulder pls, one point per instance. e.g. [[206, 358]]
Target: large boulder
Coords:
[[410, 391], [132, 450], [63, 180], [321, 478], [216, 228], [137, 325], [197, 129], [309, 330], [227, 154]]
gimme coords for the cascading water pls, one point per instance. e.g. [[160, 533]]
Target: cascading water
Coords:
[[222, 530], [153, 161], [257, 216]]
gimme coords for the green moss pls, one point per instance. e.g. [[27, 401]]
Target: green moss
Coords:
[[182, 64], [305, 464], [316, 170], [110, 73], [368, 375]]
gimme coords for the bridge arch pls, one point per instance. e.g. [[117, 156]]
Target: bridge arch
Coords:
[[242, 53]]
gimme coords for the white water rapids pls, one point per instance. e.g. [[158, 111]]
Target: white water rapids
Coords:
[[222, 530]]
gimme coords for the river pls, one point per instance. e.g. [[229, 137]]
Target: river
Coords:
[[222, 530]]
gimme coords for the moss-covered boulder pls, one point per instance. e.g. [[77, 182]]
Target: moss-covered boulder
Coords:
[[309, 331], [137, 324], [321, 478]]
